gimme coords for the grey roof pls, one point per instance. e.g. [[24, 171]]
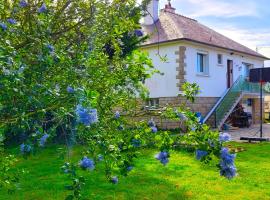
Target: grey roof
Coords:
[[172, 27]]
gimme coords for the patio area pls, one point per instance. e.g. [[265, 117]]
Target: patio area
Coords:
[[253, 131]]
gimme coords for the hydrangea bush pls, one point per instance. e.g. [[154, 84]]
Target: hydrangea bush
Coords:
[[73, 68]]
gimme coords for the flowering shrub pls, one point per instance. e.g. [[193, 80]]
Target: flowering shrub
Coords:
[[65, 67], [227, 166], [163, 157], [87, 163]]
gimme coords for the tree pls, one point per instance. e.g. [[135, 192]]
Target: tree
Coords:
[[66, 66]]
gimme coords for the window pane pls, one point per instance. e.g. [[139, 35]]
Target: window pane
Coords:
[[200, 61]]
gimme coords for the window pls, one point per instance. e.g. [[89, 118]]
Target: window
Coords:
[[202, 64], [220, 59], [152, 103]]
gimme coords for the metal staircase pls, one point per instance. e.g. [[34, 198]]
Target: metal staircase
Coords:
[[232, 96]]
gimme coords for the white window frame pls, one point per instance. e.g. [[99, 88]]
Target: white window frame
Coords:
[[222, 62], [204, 69]]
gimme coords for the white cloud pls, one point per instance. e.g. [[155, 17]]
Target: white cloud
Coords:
[[254, 39], [250, 38], [218, 8]]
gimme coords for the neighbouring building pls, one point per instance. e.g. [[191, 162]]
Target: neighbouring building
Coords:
[[196, 53]]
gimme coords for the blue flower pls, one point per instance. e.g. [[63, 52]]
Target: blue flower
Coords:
[[154, 129], [3, 26], [129, 168], [11, 21], [70, 89], [100, 157], [43, 140], [86, 116], [224, 137], [25, 148], [163, 157], [114, 180], [136, 143], [87, 163], [199, 116], [23, 3], [227, 166], [200, 154], [50, 48], [117, 115], [151, 123], [138, 33], [43, 8]]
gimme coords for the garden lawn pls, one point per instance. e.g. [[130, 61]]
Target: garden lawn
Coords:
[[182, 178]]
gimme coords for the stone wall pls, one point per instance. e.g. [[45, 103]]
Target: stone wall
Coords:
[[202, 105]]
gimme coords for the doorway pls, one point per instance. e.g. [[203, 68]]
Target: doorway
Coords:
[[229, 73]]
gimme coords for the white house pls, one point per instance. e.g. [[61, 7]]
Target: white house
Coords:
[[196, 53]]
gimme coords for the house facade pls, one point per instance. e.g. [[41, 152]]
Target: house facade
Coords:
[[197, 54]]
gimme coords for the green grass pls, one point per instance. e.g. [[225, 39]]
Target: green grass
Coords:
[[182, 178]]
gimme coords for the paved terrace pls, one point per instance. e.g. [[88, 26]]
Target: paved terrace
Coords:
[[253, 131]]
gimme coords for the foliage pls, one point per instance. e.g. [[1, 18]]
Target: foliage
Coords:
[[66, 66], [8, 177]]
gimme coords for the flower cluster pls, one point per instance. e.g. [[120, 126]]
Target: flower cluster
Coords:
[[3, 26], [43, 8], [43, 140], [199, 117], [200, 154], [224, 137], [11, 21], [70, 89], [117, 115], [227, 166], [50, 48], [152, 125], [86, 116], [23, 3], [138, 33], [25, 148], [129, 168], [163, 157], [87, 163], [114, 179]]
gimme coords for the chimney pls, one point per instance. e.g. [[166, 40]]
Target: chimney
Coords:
[[152, 13], [169, 8]]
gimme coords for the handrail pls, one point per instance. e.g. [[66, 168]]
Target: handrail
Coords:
[[220, 100]]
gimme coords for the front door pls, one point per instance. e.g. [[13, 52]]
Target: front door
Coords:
[[229, 73]]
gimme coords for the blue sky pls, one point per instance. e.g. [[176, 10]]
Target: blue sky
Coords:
[[246, 21]]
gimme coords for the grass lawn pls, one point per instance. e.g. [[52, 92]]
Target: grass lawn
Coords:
[[182, 178]]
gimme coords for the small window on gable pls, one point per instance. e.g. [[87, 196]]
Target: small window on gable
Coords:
[[220, 59], [202, 63], [152, 103]]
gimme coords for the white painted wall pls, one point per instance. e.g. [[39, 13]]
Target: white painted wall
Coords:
[[213, 85], [163, 85]]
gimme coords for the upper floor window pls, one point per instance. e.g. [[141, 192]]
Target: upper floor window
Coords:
[[220, 59], [202, 63]]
